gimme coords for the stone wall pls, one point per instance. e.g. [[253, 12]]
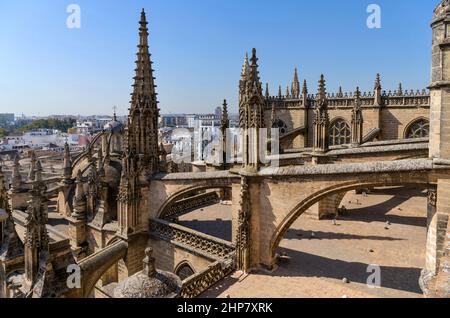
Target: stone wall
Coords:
[[395, 120], [171, 256], [392, 120], [437, 229]]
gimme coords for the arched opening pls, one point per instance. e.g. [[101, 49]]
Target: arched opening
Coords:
[[205, 209], [184, 270], [340, 133], [281, 125], [419, 128], [379, 232]]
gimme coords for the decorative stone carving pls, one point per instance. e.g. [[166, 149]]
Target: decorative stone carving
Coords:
[[243, 229], [200, 282], [321, 119], [170, 232], [432, 197]]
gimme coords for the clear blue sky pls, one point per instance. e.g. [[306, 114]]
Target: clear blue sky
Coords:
[[198, 47]]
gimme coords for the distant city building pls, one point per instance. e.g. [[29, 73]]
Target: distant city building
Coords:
[[174, 120], [218, 112], [6, 120]]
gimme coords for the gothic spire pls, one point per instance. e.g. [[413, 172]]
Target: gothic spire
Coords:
[[36, 235], [280, 94], [296, 85], [142, 131], [245, 68], [245, 73], [144, 86], [267, 90], [254, 81]]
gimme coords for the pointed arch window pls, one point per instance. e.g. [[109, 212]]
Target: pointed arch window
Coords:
[[281, 125], [184, 271], [340, 133], [418, 129]]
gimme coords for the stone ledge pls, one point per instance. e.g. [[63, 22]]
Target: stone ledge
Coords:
[[378, 149], [195, 176], [352, 168]]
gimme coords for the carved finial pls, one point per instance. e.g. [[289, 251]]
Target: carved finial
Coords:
[[245, 68], [115, 113], [17, 160], [162, 150], [224, 121], [31, 173], [254, 59], [38, 176], [305, 88], [79, 202], [322, 93], [295, 85], [400, 89], [378, 82], [273, 116], [149, 263], [357, 93], [16, 176]]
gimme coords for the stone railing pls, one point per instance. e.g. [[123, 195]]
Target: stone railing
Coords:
[[190, 204], [406, 98], [213, 247], [200, 282]]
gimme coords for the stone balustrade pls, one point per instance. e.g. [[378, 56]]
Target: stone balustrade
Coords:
[[202, 281], [171, 232], [189, 204]]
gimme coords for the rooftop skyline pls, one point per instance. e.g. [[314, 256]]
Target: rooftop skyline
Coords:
[[198, 47]]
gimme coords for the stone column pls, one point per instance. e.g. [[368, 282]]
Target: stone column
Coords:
[[357, 121], [243, 231], [321, 122], [440, 84], [438, 217]]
